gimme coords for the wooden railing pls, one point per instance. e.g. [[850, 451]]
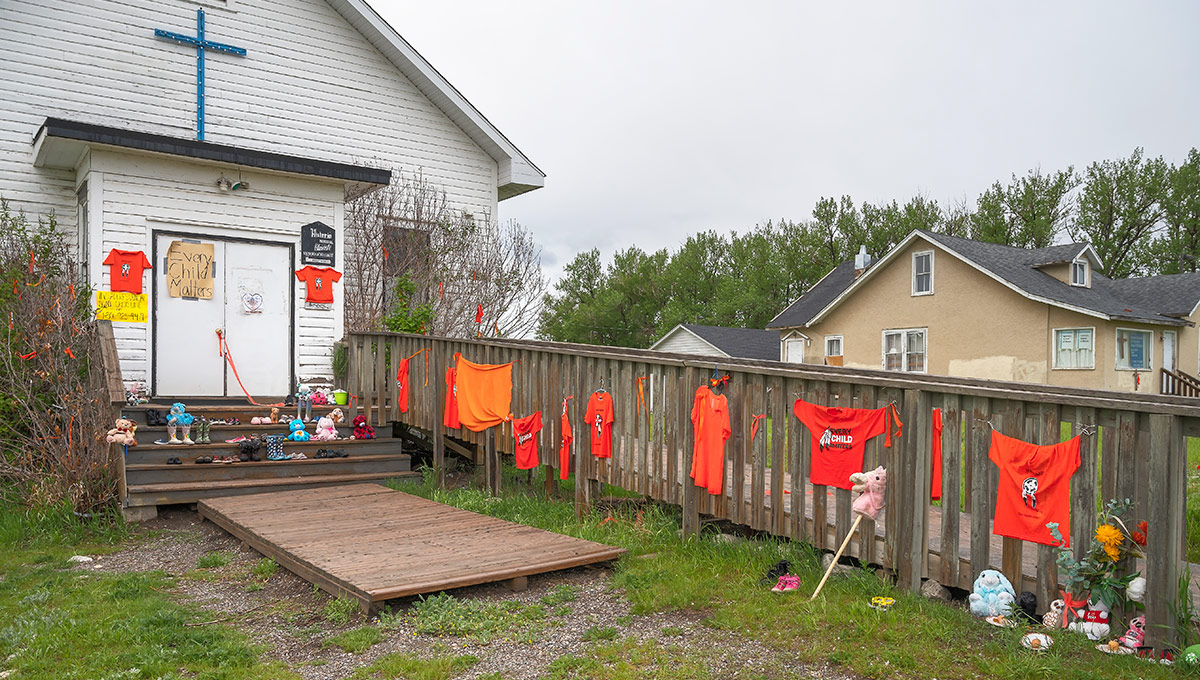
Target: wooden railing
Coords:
[[1179, 383], [1130, 444]]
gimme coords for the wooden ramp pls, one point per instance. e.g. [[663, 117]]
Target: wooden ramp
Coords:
[[372, 544]]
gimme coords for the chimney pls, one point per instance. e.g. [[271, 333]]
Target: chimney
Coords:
[[861, 261]]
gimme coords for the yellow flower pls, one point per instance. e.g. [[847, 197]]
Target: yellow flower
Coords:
[[1113, 552], [1109, 535]]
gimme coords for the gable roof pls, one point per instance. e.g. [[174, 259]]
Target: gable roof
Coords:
[[817, 298], [1147, 300], [517, 174], [743, 343]]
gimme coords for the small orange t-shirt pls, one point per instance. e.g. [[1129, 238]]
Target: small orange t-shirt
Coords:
[[710, 416], [318, 283], [402, 386], [125, 272], [564, 446], [599, 419], [450, 419], [525, 432], [839, 438], [1035, 487]]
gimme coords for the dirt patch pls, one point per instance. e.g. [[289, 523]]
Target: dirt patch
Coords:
[[286, 615]]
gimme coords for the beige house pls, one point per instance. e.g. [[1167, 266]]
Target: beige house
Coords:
[[951, 306]]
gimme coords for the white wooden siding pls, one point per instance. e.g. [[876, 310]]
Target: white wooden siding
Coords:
[[682, 341]]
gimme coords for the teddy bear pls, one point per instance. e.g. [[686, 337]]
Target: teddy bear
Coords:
[[1136, 634], [123, 433], [871, 485], [1093, 621], [361, 429], [298, 434], [325, 430], [993, 595], [337, 416]]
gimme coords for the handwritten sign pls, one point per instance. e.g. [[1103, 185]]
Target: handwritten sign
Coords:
[[129, 307], [189, 270], [317, 245]]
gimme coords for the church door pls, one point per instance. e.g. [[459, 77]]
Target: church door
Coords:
[[248, 296]]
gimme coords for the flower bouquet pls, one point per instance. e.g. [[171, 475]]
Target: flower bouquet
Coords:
[[1113, 546]]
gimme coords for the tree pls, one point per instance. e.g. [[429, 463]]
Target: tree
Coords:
[[1178, 250], [1028, 213], [619, 305], [571, 313], [693, 279], [1119, 208]]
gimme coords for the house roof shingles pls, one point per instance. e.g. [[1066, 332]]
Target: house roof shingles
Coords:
[[1155, 299], [744, 343]]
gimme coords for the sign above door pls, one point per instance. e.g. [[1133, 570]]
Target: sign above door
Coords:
[[317, 245]]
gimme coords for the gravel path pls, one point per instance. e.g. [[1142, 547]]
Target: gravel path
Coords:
[[285, 614]]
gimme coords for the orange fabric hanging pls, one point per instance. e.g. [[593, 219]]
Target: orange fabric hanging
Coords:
[[450, 419], [564, 446], [754, 425], [525, 432], [641, 397], [402, 386], [484, 394], [710, 416], [935, 477]]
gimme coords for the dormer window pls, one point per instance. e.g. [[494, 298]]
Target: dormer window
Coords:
[[922, 273], [1079, 273]]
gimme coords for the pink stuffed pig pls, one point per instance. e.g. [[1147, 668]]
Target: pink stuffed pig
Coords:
[[871, 485]]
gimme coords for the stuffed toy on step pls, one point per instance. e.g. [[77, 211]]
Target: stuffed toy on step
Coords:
[[325, 430], [298, 434], [361, 429], [1093, 621], [993, 595], [179, 418], [122, 433]]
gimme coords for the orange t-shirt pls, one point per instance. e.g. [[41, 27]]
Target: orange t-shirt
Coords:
[[402, 386], [484, 393], [599, 417], [450, 419], [318, 282], [125, 273], [1035, 487], [710, 416], [564, 446], [525, 433], [839, 436]]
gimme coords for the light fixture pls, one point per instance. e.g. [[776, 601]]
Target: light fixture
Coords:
[[224, 184]]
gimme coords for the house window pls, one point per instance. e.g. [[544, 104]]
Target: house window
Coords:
[[833, 345], [1079, 273], [1133, 349], [904, 350], [794, 348], [1074, 348], [922, 273]]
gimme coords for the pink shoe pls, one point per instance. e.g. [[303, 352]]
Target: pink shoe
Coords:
[[793, 582], [781, 585]]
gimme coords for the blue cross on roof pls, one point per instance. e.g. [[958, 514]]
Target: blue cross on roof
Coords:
[[201, 44]]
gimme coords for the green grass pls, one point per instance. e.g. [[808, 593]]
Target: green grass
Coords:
[[411, 667], [631, 660], [338, 610], [356, 640], [265, 568], [62, 623], [213, 560], [445, 615], [607, 633], [560, 594]]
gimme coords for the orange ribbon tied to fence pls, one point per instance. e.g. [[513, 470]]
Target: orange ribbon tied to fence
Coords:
[[641, 402], [754, 424]]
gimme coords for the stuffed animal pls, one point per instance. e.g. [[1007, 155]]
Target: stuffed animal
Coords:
[[320, 397], [871, 485], [361, 429], [1053, 618], [993, 595], [298, 434], [304, 402], [179, 418], [1137, 589], [275, 414], [1027, 606], [122, 433], [1093, 621], [337, 415], [1136, 634], [325, 430]]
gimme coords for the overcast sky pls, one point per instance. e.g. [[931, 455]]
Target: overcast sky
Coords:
[[656, 120]]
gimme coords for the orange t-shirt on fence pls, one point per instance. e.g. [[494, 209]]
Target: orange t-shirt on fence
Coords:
[[564, 446], [318, 283], [710, 416], [1035, 487], [839, 436], [599, 419], [126, 267], [525, 433], [402, 386], [450, 419], [935, 476], [484, 393]]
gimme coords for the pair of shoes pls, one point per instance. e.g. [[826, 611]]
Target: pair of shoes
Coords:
[[237, 440], [781, 568], [204, 460], [786, 583], [155, 417], [174, 461], [331, 453], [225, 459]]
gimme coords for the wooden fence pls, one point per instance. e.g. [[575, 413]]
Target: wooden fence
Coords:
[[1131, 444]]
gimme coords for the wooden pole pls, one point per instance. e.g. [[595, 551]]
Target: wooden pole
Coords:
[[837, 556]]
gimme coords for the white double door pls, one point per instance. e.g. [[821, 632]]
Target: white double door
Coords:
[[251, 305]]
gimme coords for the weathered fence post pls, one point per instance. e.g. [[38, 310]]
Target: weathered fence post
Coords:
[[913, 495], [1167, 506], [691, 515], [436, 427]]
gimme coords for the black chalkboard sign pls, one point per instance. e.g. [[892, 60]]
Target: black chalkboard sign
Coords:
[[317, 245]]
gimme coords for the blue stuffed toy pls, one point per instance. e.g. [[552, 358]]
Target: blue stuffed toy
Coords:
[[298, 434], [993, 595], [179, 417]]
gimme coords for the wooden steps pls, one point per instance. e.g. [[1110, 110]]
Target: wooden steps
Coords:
[[149, 481]]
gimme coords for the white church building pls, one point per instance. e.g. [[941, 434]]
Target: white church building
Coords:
[[221, 139]]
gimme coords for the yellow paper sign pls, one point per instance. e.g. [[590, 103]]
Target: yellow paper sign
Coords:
[[189, 270], [130, 307]]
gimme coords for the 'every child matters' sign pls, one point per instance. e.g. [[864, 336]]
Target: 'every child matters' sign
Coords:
[[189, 270]]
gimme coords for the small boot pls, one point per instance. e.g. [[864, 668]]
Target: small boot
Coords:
[[171, 435], [186, 438], [202, 430]]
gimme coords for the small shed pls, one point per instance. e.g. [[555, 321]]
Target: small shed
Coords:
[[718, 341]]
